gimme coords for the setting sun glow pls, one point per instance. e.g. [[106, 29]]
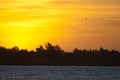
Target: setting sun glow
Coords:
[[83, 24]]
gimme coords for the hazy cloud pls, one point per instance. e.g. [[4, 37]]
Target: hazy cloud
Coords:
[[90, 2]]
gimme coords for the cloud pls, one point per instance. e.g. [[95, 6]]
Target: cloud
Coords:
[[87, 2]]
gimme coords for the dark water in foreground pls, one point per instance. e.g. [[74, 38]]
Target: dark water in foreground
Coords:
[[59, 73]]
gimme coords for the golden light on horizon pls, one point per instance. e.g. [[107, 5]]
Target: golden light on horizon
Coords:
[[69, 23]]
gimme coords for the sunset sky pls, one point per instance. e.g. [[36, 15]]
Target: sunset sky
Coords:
[[82, 24]]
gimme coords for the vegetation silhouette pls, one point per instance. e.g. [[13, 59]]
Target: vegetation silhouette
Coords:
[[54, 55]]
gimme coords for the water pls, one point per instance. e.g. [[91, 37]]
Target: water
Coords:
[[59, 73]]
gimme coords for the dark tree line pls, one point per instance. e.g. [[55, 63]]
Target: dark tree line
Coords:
[[54, 55]]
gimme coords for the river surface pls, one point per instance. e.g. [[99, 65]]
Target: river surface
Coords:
[[59, 73]]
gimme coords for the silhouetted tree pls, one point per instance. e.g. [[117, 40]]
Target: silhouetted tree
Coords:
[[54, 55], [15, 49], [40, 50]]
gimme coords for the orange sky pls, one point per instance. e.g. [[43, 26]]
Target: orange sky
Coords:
[[83, 24]]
